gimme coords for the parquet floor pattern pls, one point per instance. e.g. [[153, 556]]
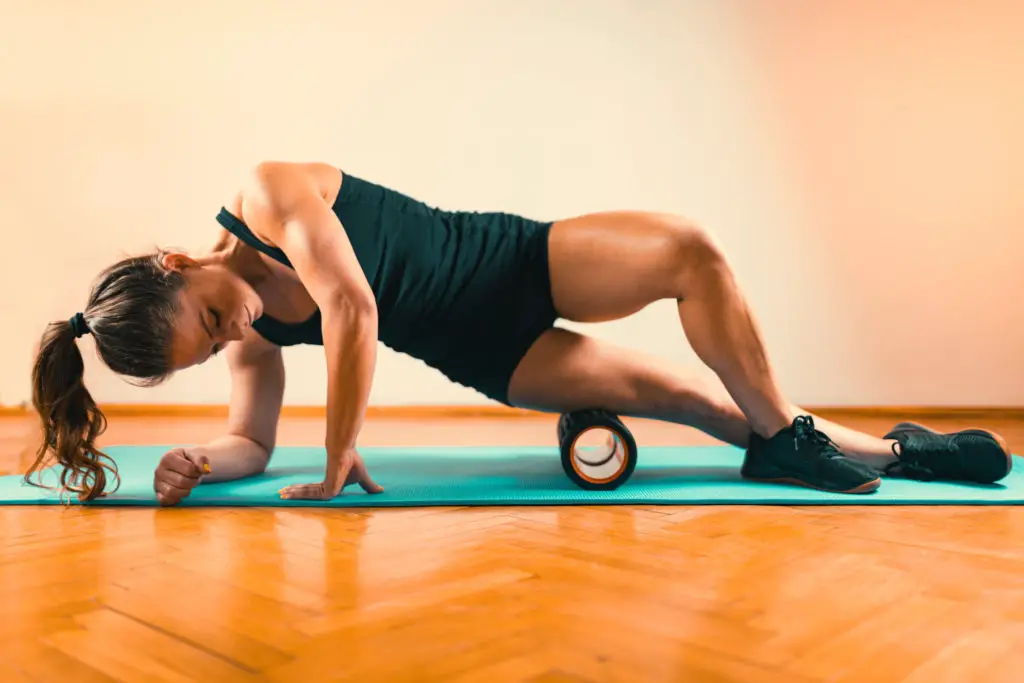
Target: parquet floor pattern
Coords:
[[540, 595]]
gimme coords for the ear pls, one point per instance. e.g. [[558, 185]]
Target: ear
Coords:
[[177, 261]]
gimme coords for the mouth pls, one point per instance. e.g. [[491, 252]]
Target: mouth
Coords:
[[248, 314]]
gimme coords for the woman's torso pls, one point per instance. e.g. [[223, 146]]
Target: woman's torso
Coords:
[[431, 271]]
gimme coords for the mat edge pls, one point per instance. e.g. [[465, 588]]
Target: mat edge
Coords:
[[151, 410]]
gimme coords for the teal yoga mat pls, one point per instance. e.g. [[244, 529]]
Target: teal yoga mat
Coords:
[[516, 476]]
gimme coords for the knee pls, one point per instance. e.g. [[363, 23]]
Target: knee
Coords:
[[694, 252]]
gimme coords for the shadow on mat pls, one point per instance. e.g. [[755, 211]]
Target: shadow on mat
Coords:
[[536, 469], [684, 475], [514, 467]]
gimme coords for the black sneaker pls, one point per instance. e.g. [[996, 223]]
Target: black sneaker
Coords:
[[802, 455], [969, 455]]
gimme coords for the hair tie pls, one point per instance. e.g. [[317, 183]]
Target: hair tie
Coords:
[[78, 325]]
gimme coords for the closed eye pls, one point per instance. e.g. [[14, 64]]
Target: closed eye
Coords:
[[215, 318]]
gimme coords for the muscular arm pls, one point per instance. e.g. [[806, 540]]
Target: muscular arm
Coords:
[[285, 205], [257, 391]]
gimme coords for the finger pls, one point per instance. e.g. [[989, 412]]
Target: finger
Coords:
[[364, 479], [201, 462], [303, 492], [178, 481], [179, 463], [371, 486], [344, 471], [174, 493], [169, 495]]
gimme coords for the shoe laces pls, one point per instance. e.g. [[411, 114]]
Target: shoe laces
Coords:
[[804, 429], [917, 449]]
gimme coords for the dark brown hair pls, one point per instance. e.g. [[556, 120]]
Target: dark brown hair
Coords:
[[130, 314]]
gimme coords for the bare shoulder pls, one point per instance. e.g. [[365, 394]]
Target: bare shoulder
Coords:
[[272, 189], [282, 182]]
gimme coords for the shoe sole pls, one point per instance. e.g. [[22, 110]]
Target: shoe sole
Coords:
[[866, 487], [904, 427]]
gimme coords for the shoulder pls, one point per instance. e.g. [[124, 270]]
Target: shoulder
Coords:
[[270, 190], [281, 183], [273, 191]]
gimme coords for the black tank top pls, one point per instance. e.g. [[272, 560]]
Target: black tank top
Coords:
[[432, 272]]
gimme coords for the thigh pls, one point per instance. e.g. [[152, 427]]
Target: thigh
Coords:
[[605, 266], [565, 371]]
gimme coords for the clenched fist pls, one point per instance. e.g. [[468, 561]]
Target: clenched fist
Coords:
[[177, 474]]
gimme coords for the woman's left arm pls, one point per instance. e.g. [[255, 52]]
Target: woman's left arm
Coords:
[[285, 205]]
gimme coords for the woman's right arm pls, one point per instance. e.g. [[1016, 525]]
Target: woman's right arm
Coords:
[[257, 392]]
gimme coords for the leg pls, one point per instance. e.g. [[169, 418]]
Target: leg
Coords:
[[610, 265], [566, 371], [606, 266]]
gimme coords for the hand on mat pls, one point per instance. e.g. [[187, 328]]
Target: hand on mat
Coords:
[[351, 470], [177, 474]]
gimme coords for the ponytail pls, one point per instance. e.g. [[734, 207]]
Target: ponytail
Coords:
[[71, 420], [131, 316]]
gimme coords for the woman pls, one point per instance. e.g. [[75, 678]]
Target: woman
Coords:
[[308, 255]]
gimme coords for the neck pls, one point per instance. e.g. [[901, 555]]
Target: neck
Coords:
[[231, 253]]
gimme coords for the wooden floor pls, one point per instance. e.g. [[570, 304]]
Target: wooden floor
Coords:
[[746, 594]]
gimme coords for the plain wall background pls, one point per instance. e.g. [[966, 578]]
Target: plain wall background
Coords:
[[860, 160]]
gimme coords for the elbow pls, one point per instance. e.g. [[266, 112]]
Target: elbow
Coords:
[[358, 306], [257, 451], [261, 462]]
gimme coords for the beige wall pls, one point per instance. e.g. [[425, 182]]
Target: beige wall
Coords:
[[860, 162]]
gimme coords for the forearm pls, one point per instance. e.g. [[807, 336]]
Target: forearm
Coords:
[[232, 457], [350, 345]]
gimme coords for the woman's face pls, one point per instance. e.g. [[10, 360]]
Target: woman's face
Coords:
[[216, 307]]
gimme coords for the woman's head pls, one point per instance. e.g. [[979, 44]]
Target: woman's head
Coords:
[[149, 316]]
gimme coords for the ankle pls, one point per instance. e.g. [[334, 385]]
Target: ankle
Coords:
[[768, 426]]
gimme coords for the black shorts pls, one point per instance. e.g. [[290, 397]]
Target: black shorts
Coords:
[[489, 333]]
